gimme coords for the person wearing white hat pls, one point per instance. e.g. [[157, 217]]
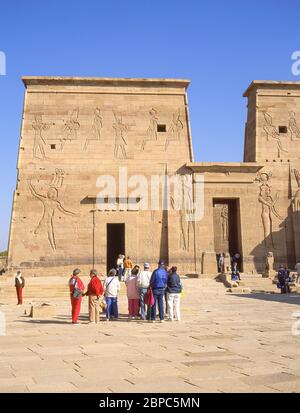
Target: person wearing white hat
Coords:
[[143, 282], [19, 284]]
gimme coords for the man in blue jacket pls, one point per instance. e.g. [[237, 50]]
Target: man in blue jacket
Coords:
[[158, 283]]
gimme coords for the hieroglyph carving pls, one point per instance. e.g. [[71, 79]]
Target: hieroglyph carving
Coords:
[[224, 222], [70, 128], [272, 132], [39, 142], [51, 204]]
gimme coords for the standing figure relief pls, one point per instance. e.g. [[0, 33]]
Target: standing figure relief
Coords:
[[224, 222], [293, 127], [50, 205], [151, 133], [268, 202], [120, 141], [272, 132], [186, 212], [96, 129], [39, 142], [175, 130]]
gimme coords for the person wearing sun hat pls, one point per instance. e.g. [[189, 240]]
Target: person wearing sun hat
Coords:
[[77, 288], [143, 282]]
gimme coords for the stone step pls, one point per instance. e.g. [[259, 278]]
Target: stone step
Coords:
[[57, 287]]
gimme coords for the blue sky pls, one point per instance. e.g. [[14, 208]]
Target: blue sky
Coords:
[[220, 45]]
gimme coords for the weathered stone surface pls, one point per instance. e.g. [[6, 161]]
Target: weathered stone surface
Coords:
[[221, 345], [42, 311], [77, 129]]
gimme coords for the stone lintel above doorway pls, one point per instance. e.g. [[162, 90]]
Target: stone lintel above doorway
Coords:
[[225, 167], [222, 172]]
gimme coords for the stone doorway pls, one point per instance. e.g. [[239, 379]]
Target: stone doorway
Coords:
[[115, 244], [227, 227]]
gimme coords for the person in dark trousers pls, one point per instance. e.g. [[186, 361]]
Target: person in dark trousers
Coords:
[[234, 261], [235, 275], [19, 284], [283, 280], [158, 283]]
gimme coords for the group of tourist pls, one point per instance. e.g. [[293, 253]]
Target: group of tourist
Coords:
[[234, 260], [284, 278], [146, 291]]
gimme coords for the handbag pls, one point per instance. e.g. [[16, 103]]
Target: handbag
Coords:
[[77, 293], [149, 298]]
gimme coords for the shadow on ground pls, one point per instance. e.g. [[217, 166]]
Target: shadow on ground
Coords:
[[66, 319], [279, 298]]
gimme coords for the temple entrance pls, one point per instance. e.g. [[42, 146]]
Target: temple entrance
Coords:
[[115, 244], [227, 227]]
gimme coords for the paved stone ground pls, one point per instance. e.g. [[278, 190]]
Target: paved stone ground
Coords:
[[225, 343]]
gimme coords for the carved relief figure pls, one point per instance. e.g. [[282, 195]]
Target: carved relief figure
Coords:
[[96, 128], [271, 131], [269, 266], [268, 202], [39, 142], [293, 127], [151, 133], [186, 213], [224, 222], [51, 204], [70, 128], [120, 141], [296, 196], [174, 130]]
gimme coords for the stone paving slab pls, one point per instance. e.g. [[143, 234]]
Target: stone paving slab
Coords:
[[222, 344]]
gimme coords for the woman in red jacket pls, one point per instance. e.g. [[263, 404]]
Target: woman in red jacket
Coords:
[[94, 292], [76, 292]]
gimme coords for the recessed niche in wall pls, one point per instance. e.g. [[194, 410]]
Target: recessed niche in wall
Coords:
[[282, 129], [161, 128]]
